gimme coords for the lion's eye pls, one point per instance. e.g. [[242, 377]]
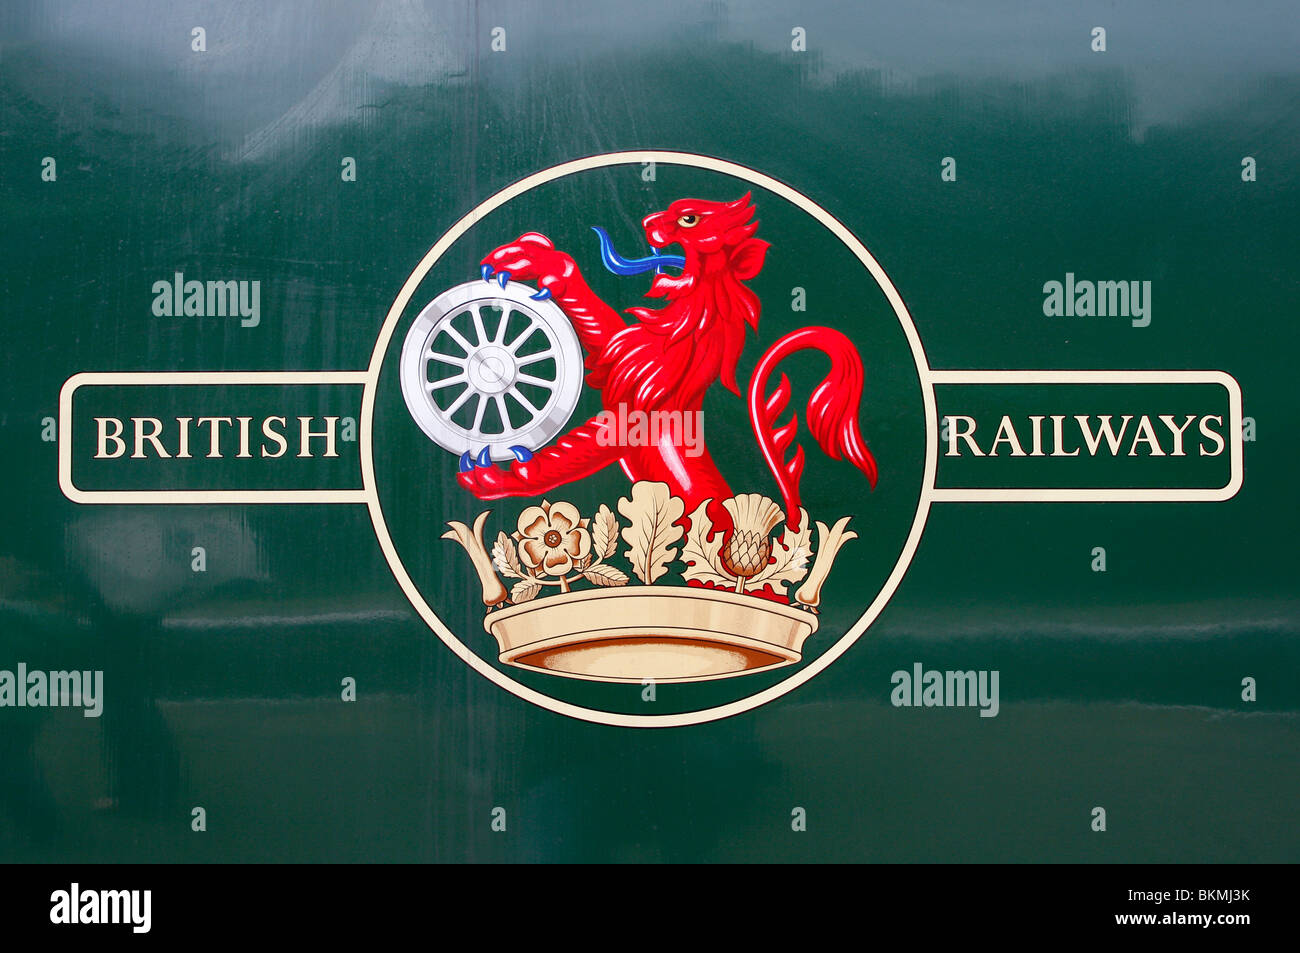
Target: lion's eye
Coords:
[[688, 221]]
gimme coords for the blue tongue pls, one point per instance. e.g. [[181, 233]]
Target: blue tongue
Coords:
[[632, 266]]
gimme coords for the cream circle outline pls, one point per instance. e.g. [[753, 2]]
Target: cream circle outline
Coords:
[[380, 351]]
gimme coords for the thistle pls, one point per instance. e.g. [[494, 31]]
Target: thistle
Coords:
[[747, 552]]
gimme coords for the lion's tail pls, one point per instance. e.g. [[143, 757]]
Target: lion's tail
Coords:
[[832, 411]]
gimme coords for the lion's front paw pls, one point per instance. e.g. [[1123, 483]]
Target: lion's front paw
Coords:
[[531, 257], [486, 483]]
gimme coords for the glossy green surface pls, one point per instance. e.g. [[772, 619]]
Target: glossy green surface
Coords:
[[1119, 689]]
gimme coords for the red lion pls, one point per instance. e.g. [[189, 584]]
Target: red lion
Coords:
[[671, 356]]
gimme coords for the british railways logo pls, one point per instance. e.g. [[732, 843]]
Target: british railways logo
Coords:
[[638, 515]]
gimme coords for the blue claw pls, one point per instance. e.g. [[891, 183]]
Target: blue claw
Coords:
[[541, 295], [487, 272], [502, 278], [466, 462], [522, 454], [484, 457]]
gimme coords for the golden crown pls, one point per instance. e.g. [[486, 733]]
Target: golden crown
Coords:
[[735, 616]]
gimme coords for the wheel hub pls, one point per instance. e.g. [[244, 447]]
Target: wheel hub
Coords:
[[492, 370]]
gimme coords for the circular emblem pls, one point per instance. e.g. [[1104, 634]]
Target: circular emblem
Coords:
[[652, 450]]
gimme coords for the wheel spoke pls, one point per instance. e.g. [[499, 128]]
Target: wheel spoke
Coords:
[[478, 414], [500, 338], [459, 339], [535, 381], [447, 382], [535, 358], [465, 395], [500, 401], [451, 359], [518, 395], [478, 326], [524, 335]]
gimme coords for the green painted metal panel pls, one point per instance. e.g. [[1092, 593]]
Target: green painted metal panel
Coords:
[[321, 150]]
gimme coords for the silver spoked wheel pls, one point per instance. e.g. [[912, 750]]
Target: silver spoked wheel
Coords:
[[491, 368]]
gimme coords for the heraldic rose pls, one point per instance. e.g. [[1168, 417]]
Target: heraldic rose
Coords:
[[552, 539]]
